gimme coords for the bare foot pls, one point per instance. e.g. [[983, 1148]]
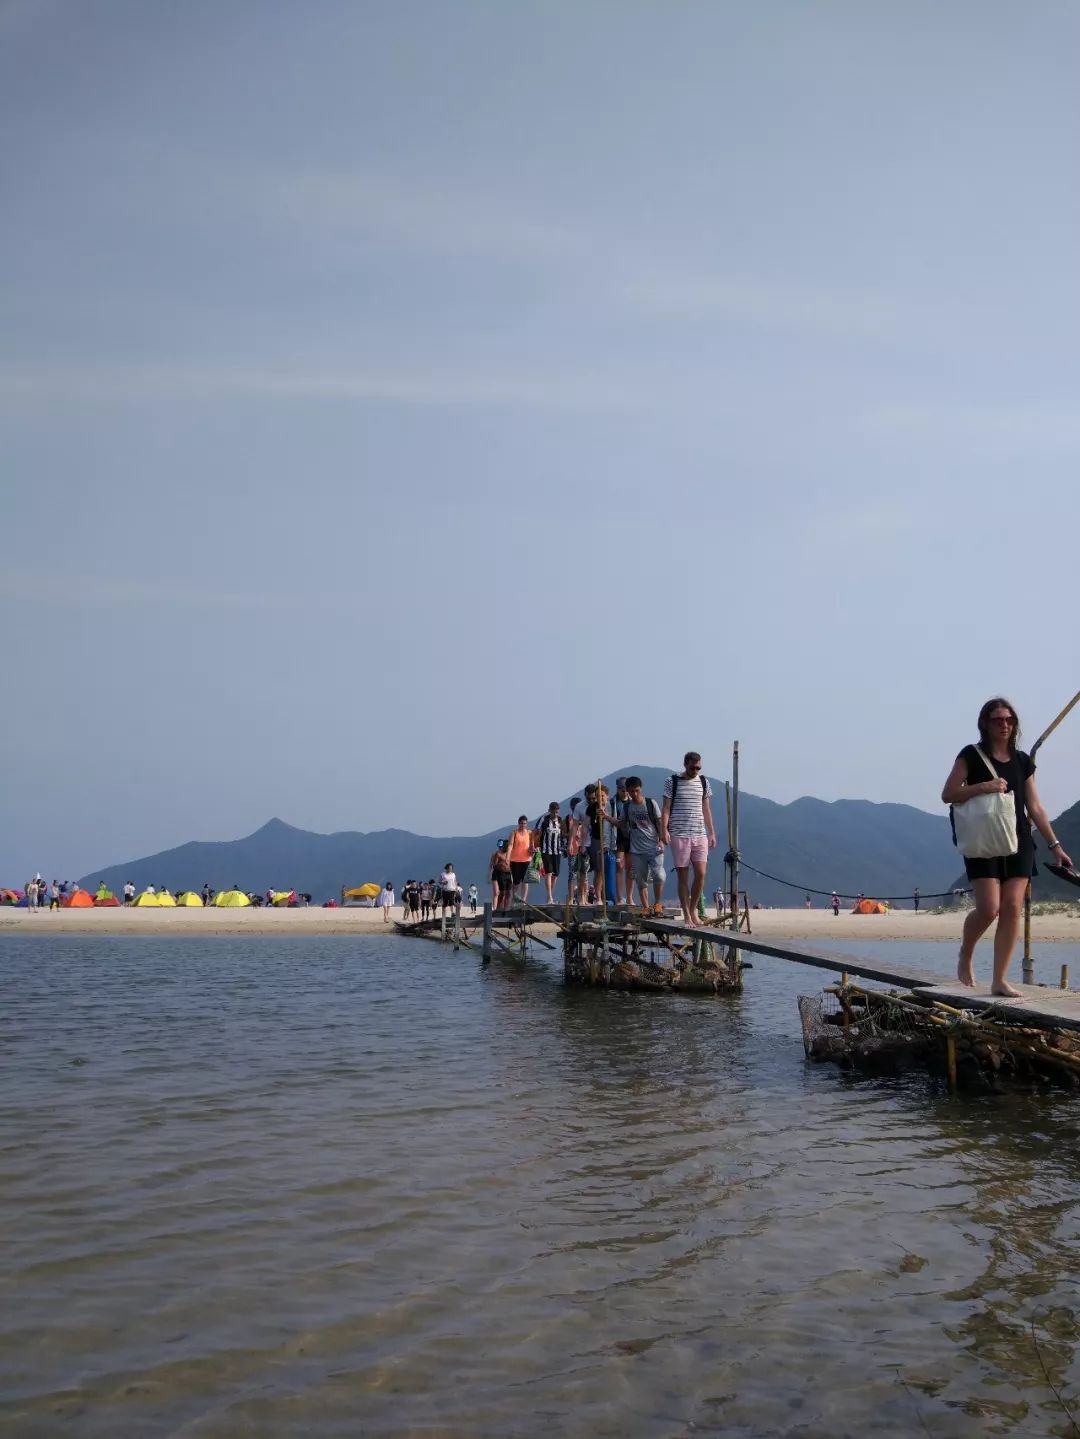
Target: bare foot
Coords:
[[1005, 991], [964, 973]]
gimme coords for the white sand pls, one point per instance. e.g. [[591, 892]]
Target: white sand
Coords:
[[817, 926]]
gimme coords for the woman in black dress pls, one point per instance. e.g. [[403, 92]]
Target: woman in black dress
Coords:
[[999, 884]]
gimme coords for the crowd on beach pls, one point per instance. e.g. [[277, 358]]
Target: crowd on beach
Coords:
[[38, 893]]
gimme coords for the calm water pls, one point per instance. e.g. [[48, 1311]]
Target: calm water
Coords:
[[329, 1187]]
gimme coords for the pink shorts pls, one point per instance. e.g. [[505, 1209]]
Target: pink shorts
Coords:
[[687, 849]]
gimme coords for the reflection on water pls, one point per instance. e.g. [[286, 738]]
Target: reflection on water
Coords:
[[336, 1187]]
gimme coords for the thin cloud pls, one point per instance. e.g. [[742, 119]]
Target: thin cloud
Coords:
[[120, 384]]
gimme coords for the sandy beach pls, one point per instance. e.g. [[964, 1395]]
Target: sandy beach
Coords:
[[816, 926]]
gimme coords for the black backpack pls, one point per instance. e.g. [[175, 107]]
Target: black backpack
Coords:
[[675, 778]]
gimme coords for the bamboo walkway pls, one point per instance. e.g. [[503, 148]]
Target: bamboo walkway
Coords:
[[1040, 1005]]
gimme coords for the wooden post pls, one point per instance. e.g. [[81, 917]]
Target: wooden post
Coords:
[[1028, 970], [1064, 976], [442, 923], [950, 1061], [488, 927], [734, 837]]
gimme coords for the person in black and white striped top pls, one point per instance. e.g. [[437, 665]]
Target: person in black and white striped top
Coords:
[[552, 846]]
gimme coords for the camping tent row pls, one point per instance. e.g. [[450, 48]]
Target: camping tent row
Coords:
[[227, 899], [78, 899]]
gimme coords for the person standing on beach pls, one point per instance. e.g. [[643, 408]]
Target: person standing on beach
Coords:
[[835, 902], [386, 899], [688, 831], [997, 766], [809, 902], [915, 899]]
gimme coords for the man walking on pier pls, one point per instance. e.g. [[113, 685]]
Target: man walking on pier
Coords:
[[689, 831]]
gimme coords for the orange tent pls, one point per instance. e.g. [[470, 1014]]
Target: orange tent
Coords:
[[79, 900], [868, 906]]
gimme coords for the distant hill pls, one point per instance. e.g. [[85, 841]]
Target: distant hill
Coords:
[[852, 845]]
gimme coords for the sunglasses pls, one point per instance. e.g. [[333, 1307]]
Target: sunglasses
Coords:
[[1002, 719]]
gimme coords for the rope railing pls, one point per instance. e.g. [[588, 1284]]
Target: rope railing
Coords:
[[809, 889]]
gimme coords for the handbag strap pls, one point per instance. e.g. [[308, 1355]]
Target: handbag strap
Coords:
[[990, 768]]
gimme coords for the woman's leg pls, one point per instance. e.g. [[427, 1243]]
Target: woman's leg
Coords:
[[1008, 927], [987, 903]]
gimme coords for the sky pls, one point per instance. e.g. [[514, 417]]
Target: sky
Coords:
[[408, 411]]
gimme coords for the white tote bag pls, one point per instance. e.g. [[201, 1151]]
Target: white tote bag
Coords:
[[986, 824]]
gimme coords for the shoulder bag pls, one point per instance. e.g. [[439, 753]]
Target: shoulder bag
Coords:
[[986, 823]]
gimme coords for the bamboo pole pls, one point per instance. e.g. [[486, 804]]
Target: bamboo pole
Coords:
[[950, 1060], [1028, 969], [733, 836]]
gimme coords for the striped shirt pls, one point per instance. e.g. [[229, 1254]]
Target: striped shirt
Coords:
[[551, 835], [687, 816]]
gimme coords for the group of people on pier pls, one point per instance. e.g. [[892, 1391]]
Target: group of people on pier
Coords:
[[614, 846]]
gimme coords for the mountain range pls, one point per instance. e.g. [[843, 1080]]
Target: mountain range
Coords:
[[854, 846]]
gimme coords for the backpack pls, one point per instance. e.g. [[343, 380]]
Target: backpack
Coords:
[[675, 778]]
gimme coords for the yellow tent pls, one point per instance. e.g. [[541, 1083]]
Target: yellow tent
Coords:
[[190, 900], [364, 891], [281, 897], [166, 901], [231, 899], [146, 900]]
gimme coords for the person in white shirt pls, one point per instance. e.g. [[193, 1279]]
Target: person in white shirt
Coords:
[[449, 889], [386, 899]]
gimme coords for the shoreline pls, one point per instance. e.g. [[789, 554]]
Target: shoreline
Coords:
[[817, 926]]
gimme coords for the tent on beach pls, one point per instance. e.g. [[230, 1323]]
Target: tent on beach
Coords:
[[868, 906], [10, 896], [281, 897], [363, 891], [146, 900], [79, 899], [107, 901], [189, 900], [165, 900], [231, 899]]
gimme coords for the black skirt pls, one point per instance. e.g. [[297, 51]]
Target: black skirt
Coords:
[[1020, 865]]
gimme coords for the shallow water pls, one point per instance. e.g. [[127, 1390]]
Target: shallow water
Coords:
[[323, 1187]]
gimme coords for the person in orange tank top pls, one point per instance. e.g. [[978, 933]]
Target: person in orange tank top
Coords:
[[521, 852]]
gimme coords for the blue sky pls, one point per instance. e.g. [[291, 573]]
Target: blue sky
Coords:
[[409, 410]]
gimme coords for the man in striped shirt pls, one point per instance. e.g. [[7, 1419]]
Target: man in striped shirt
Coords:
[[688, 831]]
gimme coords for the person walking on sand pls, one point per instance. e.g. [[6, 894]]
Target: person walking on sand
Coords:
[[520, 846], [386, 899], [835, 902], [688, 831], [915, 899], [997, 766], [808, 902]]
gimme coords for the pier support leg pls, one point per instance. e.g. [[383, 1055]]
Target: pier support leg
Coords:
[[950, 1061], [487, 946]]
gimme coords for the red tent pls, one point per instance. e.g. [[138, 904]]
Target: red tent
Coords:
[[106, 903], [79, 900]]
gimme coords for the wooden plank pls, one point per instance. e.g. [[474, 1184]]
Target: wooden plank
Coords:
[[880, 970], [1041, 1006]]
